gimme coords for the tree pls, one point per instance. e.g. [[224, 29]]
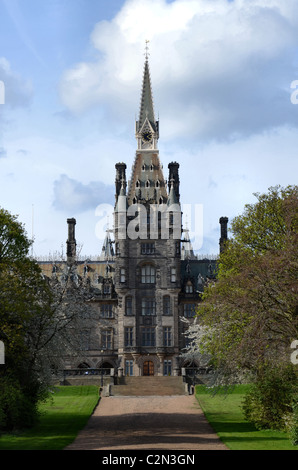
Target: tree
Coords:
[[250, 312], [14, 243], [40, 322]]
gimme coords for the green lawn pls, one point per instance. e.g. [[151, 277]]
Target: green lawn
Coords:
[[63, 416], [225, 416], [69, 409]]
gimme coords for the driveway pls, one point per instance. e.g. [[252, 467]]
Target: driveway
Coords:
[[151, 422]]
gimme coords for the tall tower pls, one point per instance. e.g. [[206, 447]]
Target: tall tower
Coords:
[[147, 230]]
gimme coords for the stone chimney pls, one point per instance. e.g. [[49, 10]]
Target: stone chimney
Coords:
[[223, 232], [71, 242]]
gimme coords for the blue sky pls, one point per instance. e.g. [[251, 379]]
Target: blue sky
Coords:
[[221, 74]]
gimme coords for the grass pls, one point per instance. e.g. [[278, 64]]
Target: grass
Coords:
[[69, 409], [62, 417], [225, 415]]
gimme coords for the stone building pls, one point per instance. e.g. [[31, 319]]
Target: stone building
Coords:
[[147, 277]]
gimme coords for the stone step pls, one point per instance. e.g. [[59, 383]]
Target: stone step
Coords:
[[146, 386]]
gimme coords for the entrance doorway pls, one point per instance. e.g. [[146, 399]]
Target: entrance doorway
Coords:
[[148, 368]]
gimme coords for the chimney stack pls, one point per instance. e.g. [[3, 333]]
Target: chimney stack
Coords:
[[71, 242], [223, 232]]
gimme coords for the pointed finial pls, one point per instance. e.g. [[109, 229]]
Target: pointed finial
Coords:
[[147, 49], [122, 183]]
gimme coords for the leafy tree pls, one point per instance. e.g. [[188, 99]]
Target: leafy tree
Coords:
[[14, 244], [250, 312], [40, 322]]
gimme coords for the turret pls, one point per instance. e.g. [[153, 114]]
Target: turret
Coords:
[[120, 180], [174, 179]]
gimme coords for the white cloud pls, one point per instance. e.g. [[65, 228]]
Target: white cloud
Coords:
[[18, 91], [73, 196], [220, 69]]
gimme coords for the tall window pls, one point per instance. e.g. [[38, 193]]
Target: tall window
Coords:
[[189, 310], [167, 336], [128, 367], [128, 305], [173, 274], [106, 289], [106, 311], [122, 275], [148, 274], [148, 306], [148, 336], [106, 339], [167, 305], [128, 336], [167, 367]]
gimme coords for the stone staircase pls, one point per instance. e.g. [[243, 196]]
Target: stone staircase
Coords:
[[146, 386]]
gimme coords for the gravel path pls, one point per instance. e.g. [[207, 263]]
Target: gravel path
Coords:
[[154, 422]]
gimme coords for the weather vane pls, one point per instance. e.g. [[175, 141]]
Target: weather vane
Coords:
[[147, 48]]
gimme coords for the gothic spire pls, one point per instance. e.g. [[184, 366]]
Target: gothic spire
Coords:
[[146, 107]]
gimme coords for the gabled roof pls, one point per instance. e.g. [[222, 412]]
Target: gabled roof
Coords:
[[107, 252], [147, 180]]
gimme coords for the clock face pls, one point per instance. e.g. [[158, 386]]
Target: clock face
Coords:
[[147, 136]]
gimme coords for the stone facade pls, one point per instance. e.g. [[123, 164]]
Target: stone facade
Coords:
[[147, 277]]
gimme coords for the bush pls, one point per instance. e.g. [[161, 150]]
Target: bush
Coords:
[[292, 426], [271, 399], [17, 410]]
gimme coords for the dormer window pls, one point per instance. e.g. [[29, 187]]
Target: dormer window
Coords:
[[189, 288]]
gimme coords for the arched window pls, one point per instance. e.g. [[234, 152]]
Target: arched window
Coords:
[[189, 287], [148, 274]]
